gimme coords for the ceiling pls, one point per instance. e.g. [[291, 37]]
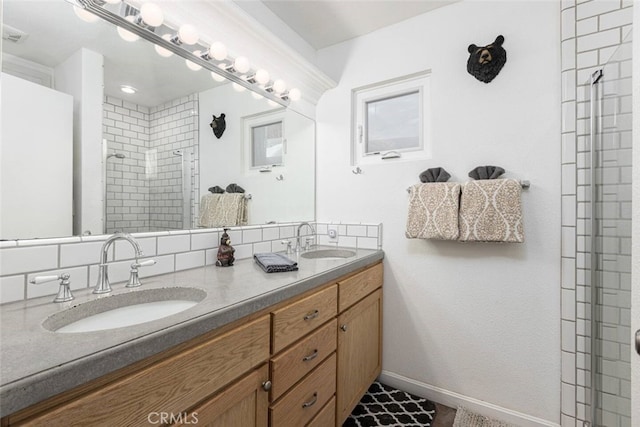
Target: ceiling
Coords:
[[323, 23]]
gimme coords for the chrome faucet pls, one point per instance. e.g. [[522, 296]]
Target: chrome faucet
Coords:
[[103, 286], [298, 237]]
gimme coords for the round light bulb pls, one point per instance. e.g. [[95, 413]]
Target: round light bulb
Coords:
[[192, 65], [217, 77], [241, 64], [128, 89], [218, 51], [279, 86], [85, 15], [262, 76], [162, 51], [238, 88], [151, 14], [294, 94], [128, 35], [188, 34]]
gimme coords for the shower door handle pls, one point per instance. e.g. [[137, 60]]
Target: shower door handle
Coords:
[[638, 341]]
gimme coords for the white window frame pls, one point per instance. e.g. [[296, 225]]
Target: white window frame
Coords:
[[256, 120], [361, 96]]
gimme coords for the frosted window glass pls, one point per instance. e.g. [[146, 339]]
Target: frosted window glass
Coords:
[[267, 145], [393, 123]]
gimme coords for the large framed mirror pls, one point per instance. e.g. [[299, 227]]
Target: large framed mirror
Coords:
[[80, 156]]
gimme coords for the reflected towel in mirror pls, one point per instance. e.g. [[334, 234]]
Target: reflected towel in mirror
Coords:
[[223, 210]]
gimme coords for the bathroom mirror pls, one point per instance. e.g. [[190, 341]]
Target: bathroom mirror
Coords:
[[142, 161]]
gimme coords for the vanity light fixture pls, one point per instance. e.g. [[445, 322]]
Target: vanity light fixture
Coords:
[[261, 76], [187, 34], [147, 22], [216, 51], [84, 15], [150, 16], [162, 51], [128, 35], [192, 65]]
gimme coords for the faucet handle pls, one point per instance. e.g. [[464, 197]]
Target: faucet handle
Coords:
[[288, 243], [134, 279], [64, 292], [308, 241]]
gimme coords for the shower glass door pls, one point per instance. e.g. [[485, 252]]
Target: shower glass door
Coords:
[[611, 178]]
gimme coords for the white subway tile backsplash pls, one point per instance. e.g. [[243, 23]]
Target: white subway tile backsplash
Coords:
[[124, 250], [260, 247], [82, 254], [243, 251], [22, 260], [11, 288], [270, 233], [598, 40], [617, 18], [188, 260], [251, 235], [173, 244], [204, 241]]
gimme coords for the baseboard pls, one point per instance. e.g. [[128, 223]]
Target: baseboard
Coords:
[[454, 400]]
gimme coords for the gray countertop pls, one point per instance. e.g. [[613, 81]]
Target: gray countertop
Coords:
[[36, 364]]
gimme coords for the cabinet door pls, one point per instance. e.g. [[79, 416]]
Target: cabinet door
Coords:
[[243, 404], [359, 352]]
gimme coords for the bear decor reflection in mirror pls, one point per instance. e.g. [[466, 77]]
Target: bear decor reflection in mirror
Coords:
[[485, 62], [218, 125]]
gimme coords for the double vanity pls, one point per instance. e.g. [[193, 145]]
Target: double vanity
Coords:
[[245, 347]]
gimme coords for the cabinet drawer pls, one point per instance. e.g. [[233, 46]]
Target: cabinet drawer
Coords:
[[298, 319], [171, 385], [354, 288], [326, 417], [304, 401], [289, 367]]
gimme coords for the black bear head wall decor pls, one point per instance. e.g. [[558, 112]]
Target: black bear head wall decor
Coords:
[[218, 125], [485, 62]]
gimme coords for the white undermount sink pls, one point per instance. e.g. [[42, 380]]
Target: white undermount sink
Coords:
[[328, 254], [118, 311]]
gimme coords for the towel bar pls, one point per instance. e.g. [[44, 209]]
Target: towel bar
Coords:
[[524, 183], [247, 196]]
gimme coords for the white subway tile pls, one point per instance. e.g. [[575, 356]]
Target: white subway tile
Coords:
[[23, 260], [568, 399], [82, 254], [568, 335], [174, 244], [568, 367], [190, 260], [367, 243], [243, 251], [11, 289], [211, 256], [568, 304], [568, 273], [595, 7], [568, 52], [587, 26], [568, 23], [618, 18], [261, 247], [271, 233], [204, 241], [357, 230], [598, 40], [251, 235], [287, 231]]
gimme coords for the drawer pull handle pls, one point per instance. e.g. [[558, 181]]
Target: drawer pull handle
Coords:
[[344, 328], [311, 356], [312, 402], [266, 386], [311, 315]]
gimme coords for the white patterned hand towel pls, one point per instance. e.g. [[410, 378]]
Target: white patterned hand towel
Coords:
[[222, 210], [491, 211], [433, 211]]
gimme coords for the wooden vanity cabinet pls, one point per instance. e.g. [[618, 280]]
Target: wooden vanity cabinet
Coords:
[[305, 362], [359, 338]]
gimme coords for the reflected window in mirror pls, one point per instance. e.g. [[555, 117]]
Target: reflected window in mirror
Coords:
[[264, 140]]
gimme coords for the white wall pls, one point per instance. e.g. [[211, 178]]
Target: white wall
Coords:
[[473, 324], [222, 160], [82, 77], [36, 161]]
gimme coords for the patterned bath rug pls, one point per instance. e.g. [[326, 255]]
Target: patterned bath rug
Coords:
[[466, 418], [386, 406]]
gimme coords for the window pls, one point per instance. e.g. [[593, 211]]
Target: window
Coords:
[[264, 145], [391, 119]]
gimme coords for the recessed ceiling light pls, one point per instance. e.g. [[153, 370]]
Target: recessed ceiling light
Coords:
[[128, 89]]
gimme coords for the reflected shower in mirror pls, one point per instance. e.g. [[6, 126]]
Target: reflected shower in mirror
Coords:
[[142, 154]]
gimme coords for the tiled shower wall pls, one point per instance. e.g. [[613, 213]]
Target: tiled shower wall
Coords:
[[126, 131], [21, 260], [591, 32], [145, 189]]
